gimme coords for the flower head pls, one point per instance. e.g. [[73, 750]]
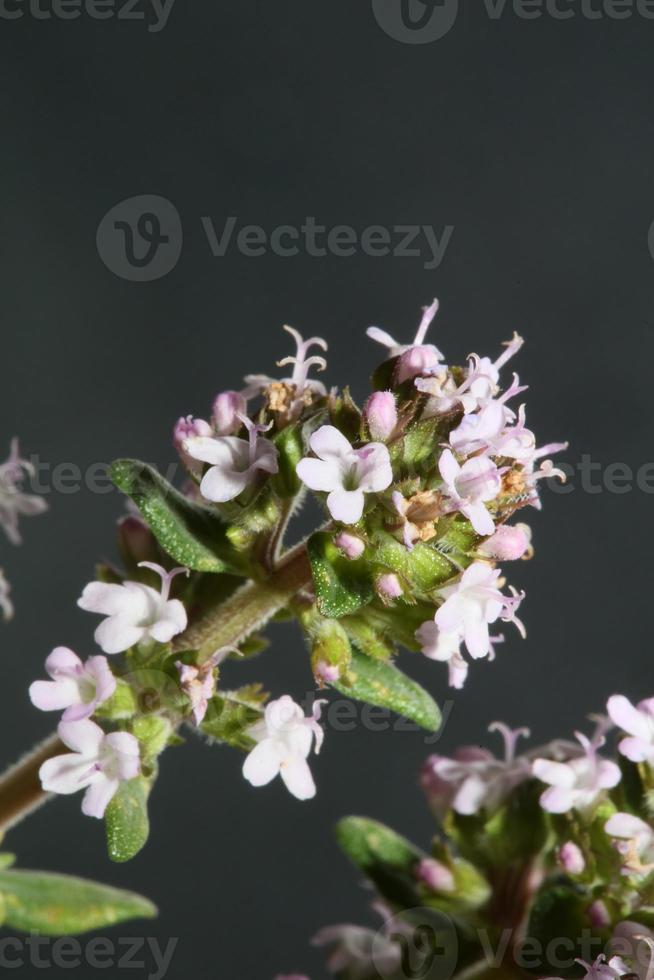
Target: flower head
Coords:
[[135, 612], [638, 722], [13, 502], [98, 763], [579, 783], [345, 473], [233, 462], [78, 687], [284, 738]]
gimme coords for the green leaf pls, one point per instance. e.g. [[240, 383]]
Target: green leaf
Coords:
[[192, 534], [231, 713], [56, 905], [382, 684], [424, 568], [126, 820], [290, 448], [385, 857], [342, 586]]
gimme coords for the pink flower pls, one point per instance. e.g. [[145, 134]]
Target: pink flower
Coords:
[[445, 647], [389, 587], [475, 779], [284, 738], [508, 543], [350, 544], [635, 843], [98, 764], [600, 969], [199, 685], [484, 374], [187, 427], [135, 612], [435, 875], [380, 413], [228, 406], [78, 687], [571, 858], [579, 783], [346, 474], [468, 486], [473, 604], [416, 358], [638, 722], [13, 502], [234, 462], [327, 672]]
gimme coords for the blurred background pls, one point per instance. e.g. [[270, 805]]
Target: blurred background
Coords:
[[531, 140]]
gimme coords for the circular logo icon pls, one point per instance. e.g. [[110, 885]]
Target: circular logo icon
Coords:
[[416, 21], [419, 944], [140, 239]]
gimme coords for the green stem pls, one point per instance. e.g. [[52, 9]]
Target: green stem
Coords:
[[247, 610]]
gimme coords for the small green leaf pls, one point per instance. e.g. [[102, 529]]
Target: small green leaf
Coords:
[[192, 534], [126, 820], [385, 857], [290, 449], [382, 684], [425, 568], [56, 905], [342, 586], [231, 713]]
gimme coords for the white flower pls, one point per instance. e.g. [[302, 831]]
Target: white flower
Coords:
[[13, 502], [98, 764], [445, 647], [635, 843], [79, 688], [468, 486], [417, 358], [638, 722], [284, 738], [6, 605], [474, 603], [346, 474], [579, 783], [233, 462], [134, 611]]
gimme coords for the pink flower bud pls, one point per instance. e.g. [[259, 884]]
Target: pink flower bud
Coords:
[[186, 428], [388, 586], [416, 361], [352, 546], [435, 875], [571, 859], [598, 915], [508, 543], [380, 413], [327, 672], [226, 408]]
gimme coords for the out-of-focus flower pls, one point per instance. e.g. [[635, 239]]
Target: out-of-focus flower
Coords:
[[571, 858], [475, 779], [508, 543], [579, 783], [78, 687], [13, 502], [634, 842], [134, 611], [233, 462], [638, 722], [228, 407], [346, 474], [98, 763], [6, 605], [435, 875], [359, 950], [284, 738]]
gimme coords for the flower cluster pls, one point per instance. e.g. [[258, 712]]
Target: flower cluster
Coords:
[[14, 504]]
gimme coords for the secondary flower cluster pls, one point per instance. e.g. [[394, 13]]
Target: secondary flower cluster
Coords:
[[14, 504]]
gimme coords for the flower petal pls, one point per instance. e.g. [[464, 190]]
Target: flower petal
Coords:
[[220, 484], [98, 796], [297, 778], [62, 661], [262, 764], [346, 505], [65, 774], [114, 635], [329, 443], [623, 714], [81, 736], [555, 773], [54, 695], [319, 474]]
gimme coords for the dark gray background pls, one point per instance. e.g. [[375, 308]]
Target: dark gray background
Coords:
[[535, 140]]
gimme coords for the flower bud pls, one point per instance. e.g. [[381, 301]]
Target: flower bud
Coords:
[[435, 875], [599, 915], [380, 412], [571, 858], [389, 587], [330, 648], [227, 407], [416, 361], [351, 545], [187, 428], [508, 543], [324, 671]]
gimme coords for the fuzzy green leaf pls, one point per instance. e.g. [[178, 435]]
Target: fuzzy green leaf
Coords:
[[382, 684], [384, 856], [424, 568], [231, 713], [342, 586], [126, 820], [192, 534], [56, 905]]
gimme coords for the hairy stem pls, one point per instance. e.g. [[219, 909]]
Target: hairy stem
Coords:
[[247, 610]]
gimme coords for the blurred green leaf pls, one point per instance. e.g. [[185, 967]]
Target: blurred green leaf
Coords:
[[56, 905], [384, 856], [231, 713]]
